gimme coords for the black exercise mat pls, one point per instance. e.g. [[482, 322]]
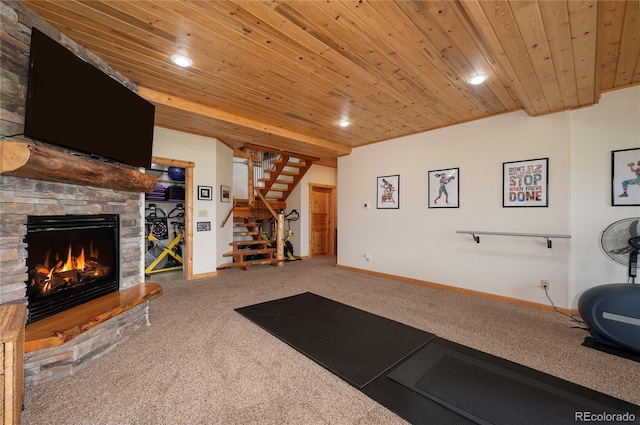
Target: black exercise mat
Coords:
[[490, 390], [410, 405], [356, 345]]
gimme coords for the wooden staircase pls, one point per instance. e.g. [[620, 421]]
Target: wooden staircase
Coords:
[[274, 176], [248, 246], [281, 175]]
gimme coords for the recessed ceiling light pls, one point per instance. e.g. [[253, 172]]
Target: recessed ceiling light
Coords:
[[344, 123], [181, 60], [477, 79]]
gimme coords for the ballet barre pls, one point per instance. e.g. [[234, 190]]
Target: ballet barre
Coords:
[[548, 237]]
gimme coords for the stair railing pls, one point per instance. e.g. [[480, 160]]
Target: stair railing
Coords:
[[229, 214]]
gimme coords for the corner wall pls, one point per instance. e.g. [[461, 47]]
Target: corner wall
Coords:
[[613, 124], [224, 176]]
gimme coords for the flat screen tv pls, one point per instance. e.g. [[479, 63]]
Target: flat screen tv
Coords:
[[72, 104]]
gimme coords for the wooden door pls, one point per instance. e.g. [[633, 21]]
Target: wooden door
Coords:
[[321, 219]]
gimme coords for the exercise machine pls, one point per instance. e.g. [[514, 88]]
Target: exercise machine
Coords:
[[161, 257]]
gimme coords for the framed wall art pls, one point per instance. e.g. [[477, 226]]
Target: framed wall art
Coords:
[[444, 188], [525, 183], [625, 177], [225, 193], [205, 193], [388, 192], [203, 226]]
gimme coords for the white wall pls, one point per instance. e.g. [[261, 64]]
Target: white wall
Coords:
[[208, 171], [421, 243], [240, 178], [299, 200], [224, 176], [613, 124]]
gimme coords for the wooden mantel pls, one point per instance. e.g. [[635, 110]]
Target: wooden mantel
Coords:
[[55, 330], [25, 159]]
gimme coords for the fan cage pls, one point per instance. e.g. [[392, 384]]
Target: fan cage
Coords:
[[615, 239]]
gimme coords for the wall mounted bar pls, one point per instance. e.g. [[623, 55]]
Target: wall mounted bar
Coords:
[[548, 237]]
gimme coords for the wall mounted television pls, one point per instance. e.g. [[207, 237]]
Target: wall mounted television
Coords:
[[74, 105]]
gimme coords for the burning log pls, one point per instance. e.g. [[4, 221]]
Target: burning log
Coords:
[[43, 284], [58, 283], [94, 271]]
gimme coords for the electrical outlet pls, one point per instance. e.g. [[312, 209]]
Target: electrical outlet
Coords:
[[544, 284]]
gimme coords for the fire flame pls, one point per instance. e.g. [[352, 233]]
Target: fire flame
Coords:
[[80, 263], [69, 264], [74, 263]]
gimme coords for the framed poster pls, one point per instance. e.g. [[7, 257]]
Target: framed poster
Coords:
[[205, 193], [444, 188], [625, 177], [225, 193], [388, 192], [525, 183]]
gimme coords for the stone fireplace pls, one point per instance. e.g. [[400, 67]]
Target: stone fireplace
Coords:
[[23, 198], [21, 201]]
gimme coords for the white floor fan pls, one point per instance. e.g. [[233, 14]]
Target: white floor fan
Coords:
[[612, 311]]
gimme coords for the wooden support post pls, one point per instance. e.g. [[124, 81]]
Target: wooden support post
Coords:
[[280, 240]]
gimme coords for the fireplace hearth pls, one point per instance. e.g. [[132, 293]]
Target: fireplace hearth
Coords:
[[72, 259]]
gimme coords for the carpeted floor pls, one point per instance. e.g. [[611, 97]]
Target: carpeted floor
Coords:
[[200, 362]]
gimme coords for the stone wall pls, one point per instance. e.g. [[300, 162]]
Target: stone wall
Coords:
[[53, 363], [20, 197]]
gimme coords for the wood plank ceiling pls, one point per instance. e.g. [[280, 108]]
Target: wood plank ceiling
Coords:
[[282, 74]]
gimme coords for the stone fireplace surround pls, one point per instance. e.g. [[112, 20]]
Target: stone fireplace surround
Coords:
[[21, 197]]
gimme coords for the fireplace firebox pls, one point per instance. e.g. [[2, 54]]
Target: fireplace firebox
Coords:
[[72, 259]]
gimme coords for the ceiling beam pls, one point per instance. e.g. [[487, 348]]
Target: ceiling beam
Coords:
[[156, 97]]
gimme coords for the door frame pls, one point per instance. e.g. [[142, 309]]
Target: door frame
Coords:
[[187, 255], [332, 216]]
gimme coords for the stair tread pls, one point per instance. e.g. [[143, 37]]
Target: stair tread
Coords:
[[277, 181], [246, 264], [246, 243], [247, 226], [289, 163], [250, 252], [283, 172]]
